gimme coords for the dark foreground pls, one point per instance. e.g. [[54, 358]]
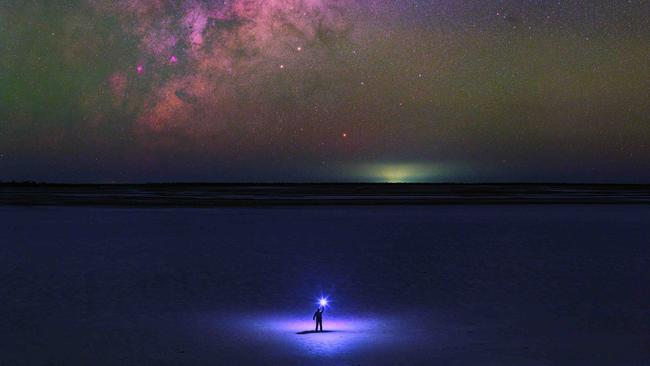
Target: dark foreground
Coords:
[[418, 285], [264, 195]]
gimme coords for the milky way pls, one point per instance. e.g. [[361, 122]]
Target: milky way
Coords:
[[323, 89], [196, 55]]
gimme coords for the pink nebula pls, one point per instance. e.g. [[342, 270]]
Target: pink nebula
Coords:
[[230, 46]]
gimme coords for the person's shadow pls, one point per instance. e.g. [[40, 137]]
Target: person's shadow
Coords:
[[313, 331]]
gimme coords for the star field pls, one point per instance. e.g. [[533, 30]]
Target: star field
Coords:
[[333, 90]]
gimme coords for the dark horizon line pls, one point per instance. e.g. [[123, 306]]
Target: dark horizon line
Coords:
[[30, 183]]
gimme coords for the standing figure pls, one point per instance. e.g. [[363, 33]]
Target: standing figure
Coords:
[[318, 316]]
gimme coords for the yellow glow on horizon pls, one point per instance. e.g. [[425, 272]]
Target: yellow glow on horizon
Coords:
[[403, 172], [398, 174]]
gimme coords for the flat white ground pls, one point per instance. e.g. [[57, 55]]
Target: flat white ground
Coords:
[[449, 285]]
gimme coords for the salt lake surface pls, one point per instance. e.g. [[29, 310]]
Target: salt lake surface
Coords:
[[449, 285]]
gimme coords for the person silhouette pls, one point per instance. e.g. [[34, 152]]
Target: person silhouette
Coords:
[[318, 316]]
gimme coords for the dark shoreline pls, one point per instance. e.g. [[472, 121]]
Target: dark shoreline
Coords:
[[315, 194]]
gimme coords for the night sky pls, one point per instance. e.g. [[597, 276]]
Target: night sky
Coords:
[[325, 90]]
